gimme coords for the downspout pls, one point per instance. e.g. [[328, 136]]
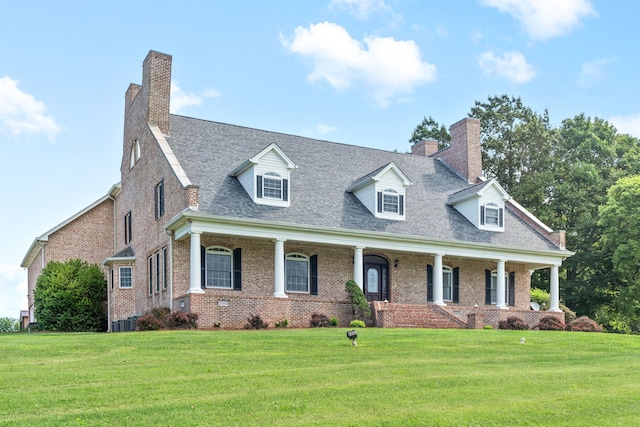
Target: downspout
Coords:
[[170, 268], [109, 272]]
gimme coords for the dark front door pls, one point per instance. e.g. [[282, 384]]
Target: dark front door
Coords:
[[376, 278]]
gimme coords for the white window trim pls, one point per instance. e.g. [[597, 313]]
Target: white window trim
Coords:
[[272, 176], [219, 250], [380, 211], [446, 270], [120, 277], [300, 258]]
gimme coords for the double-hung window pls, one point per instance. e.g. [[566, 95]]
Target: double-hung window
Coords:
[[297, 273], [390, 201], [272, 186], [218, 268], [447, 283], [125, 277]]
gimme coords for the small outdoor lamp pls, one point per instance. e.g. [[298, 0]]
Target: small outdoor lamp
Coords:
[[352, 335]]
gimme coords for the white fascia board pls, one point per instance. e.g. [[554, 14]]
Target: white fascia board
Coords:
[[406, 182], [189, 222], [274, 147], [170, 155], [33, 251]]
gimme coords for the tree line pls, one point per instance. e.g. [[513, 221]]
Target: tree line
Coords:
[[583, 177]]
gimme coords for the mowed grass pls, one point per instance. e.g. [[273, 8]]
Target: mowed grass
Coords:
[[307, 377]]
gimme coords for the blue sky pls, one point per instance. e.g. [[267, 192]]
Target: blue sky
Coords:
[[361, 72]]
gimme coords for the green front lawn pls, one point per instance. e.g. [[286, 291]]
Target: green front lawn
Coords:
[[315, 377]]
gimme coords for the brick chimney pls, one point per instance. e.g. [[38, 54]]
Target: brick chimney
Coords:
[[464, 155], [156, 88], [426, 147]]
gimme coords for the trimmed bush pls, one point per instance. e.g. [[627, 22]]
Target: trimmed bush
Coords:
[[550, 323], [319, 320], [540, 296], [584, 324], [357, 324], [333, 321], [514, 323], [359, 302], [256, 322]]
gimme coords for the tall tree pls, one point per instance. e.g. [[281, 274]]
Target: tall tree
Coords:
[[430, 129], [71, 297], [620, 244]]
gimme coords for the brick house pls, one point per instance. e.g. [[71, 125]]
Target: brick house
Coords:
[[227, 221]]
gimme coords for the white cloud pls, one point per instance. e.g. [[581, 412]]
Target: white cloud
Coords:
[[386, 67], [593, 71], [362, 9], [545, 19], [13, 288], [627, 124], [325, 129], [21, 113], [512, 65], [181, 99]]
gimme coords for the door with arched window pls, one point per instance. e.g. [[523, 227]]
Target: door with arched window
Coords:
[[376, 278]]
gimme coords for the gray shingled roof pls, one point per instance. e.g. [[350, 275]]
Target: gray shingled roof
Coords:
[[210, 151]]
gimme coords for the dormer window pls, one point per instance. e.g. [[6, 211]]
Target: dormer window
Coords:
[[265, 177], [391, 202], [491, 214], [272, 186], [383, 192]]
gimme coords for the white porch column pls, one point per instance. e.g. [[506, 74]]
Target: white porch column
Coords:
[[500, 287], [279, 271], [195, 283], [358, 266], [555, 290], [437, 280]]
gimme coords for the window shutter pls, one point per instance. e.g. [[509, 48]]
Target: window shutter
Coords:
[[285, 190], [259, 186], [482, 215], [487, 287], [512, 288], [429, 282], [237, 269], [155, 201], [401, 205], [313, 286], [203, 267], [500, 217], [456, 284], [161, 197], [379, 201]]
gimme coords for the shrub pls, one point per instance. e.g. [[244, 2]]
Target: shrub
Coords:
[[256, 322], [514, 323], [584, 324], [148, 322], [283, 323], [162, 318], [488, 327], [7, 324], [540, 296], [182, 320], [357, 324], [319, 321], [358, 300], [71, 296], [333, 321], [550, 323]]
